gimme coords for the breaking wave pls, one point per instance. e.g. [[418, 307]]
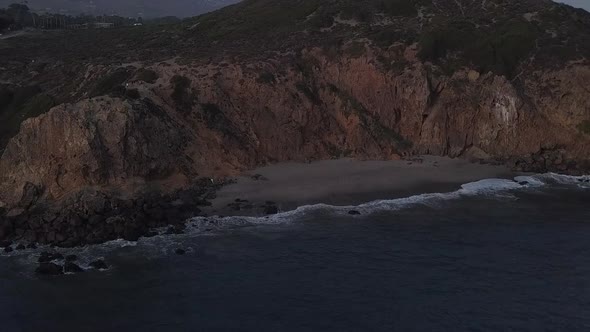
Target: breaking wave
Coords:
[[203, 226], [486, 187]]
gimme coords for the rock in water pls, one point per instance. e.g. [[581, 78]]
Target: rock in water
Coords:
[[71, 258], [49, 269], [8, 249], [46, 257], [71, 267], [99, 265], [271, 209], [180, 251], [354, 212]]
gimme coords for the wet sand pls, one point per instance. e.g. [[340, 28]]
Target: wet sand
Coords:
[[346, 182]]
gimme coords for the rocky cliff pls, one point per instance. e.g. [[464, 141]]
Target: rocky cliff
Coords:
[[383, 85]]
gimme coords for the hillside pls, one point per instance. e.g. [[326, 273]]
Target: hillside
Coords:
[[264, 81]]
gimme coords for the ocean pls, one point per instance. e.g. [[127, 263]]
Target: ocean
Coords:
[[496, 255]]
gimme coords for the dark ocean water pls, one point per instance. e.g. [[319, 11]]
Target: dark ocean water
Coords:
[[491, 257]]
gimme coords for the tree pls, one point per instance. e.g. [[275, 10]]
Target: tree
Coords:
[[5, 20], [19, 13]]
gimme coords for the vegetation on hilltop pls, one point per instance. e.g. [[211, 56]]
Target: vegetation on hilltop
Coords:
[[18, 104], [504, 37]]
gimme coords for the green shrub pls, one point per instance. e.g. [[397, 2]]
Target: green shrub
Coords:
[[132, 93], [181, 93], [109, 83], [310, 93], [386, 36], [37, 105], [355, 49], [266, 78], [322, 19], [398, 7], [146, 75], [19, 105], [584, 127], [500, 50]]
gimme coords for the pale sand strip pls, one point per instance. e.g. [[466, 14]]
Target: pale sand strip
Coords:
[[349, 182]]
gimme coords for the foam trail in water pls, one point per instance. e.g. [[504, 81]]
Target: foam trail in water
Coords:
[[553, 178], [483, 187], [209, 225]]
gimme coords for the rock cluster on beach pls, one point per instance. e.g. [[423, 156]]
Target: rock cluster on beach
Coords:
[[95, 217], [54, 263]]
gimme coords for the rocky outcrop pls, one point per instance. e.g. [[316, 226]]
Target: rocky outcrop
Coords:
[[90, 216], [94, 142]]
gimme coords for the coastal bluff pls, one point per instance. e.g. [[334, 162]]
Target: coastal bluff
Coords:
[[175, 118]]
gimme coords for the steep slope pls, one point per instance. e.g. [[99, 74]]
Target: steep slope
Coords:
[[264, 81]]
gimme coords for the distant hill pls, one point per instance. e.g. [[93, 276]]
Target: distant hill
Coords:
[[133, 8]]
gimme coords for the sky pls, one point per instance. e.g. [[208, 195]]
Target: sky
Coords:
[[151, 8], [133, 8], [585, 4]]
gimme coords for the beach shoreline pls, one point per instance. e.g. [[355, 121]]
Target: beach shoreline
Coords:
[[345, 182]]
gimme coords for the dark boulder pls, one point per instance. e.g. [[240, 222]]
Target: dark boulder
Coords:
[[32, 246], [71, 267], [174, 230], [95, 220], [31, 194], [271, 209], [354, 212], [8, 249], [523, 183], [47, 257], [150, 234], [99, 264], [71, 258], [180, 251], [20, 247], [50, 269], [259, 177]]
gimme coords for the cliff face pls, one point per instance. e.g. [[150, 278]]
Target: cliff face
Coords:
[[233, 117], [191, 116]]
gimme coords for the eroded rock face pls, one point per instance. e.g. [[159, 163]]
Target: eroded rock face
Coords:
[[94, 142]]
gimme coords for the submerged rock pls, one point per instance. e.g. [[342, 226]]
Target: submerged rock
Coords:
[[71, 258], [46, 257], [271, 209], [99, 264], [49, 269], [71, 267]]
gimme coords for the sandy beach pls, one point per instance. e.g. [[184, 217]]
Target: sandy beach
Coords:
[[346, 182]]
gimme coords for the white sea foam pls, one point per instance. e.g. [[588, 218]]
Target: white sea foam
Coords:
[[500, 188], [203, 226], [553, 178]]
